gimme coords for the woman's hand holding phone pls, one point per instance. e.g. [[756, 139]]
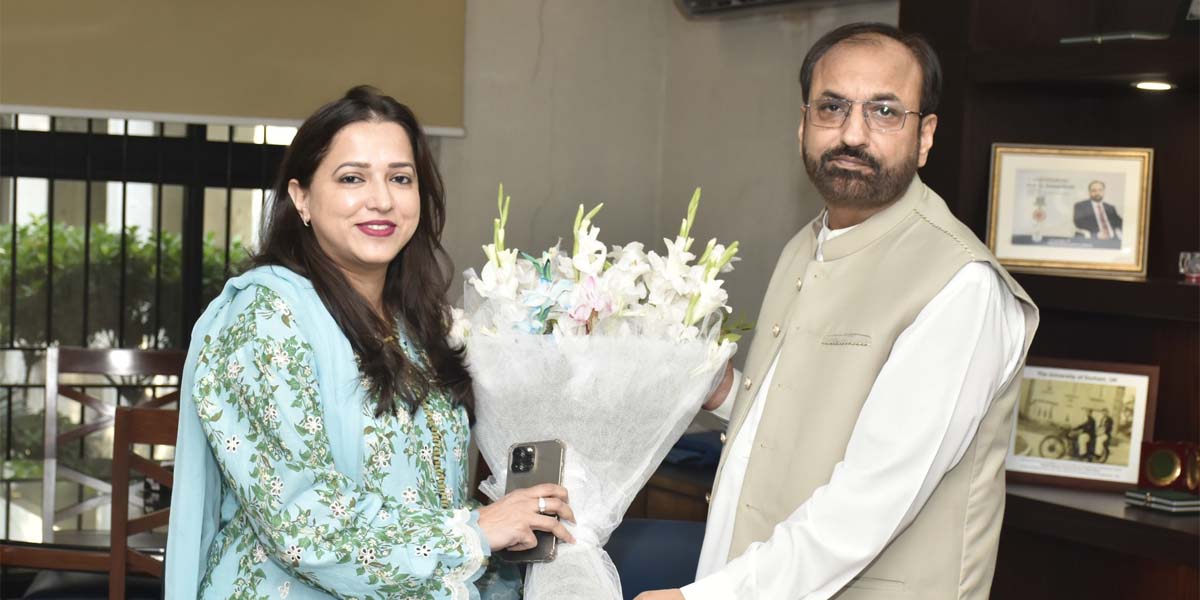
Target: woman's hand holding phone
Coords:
[[509, 522]]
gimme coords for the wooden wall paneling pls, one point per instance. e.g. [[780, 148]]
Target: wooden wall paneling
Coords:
[[1115, 63], [1038, 567], [942, 24], [1016, 24]]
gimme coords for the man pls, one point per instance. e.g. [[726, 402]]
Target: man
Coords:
[[1096, 218], [1085, 440], [865, 451], [1104, 427]]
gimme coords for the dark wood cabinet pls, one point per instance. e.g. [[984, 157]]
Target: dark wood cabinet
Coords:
[[1009, 79], [674, 492], [1060, 543]]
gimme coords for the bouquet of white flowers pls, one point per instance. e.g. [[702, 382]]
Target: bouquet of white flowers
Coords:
[[611, 351]]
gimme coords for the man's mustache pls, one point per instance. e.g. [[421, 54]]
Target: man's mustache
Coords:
[[844, 151]]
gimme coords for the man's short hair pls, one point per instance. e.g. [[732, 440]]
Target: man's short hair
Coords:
[[1095, 181], [931, 67]]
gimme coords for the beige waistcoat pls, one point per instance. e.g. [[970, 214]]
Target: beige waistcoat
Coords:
[[837, 322]]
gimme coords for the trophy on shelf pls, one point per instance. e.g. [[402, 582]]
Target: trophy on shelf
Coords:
[[1169, 478], [1189, 267]]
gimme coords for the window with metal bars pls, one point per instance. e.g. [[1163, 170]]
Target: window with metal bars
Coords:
[[113, 233]]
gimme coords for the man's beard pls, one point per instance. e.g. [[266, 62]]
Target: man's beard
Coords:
[[855, 189]]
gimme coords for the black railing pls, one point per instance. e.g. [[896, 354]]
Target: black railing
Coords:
[[192, 163], [77, 276]]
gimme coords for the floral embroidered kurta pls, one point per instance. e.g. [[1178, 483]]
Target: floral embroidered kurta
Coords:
[[292, 525]]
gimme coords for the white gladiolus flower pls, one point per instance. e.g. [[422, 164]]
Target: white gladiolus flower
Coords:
[[499, 276], [564, 267], [625, 289], [460, 328], [674, 269], [711, 297], [591, 256], [630, 257]]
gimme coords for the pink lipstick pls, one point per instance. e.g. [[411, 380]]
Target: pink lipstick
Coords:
[[377, 228]]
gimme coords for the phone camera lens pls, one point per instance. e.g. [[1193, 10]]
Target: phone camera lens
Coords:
[[522, 459]]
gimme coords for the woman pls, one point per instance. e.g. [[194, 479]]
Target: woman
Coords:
[[324, 419]]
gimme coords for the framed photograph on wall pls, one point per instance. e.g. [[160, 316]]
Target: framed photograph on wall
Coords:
[[1081, 423], [1082, 211]]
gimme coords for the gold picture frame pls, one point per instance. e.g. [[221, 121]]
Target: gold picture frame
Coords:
[[1079, 211]]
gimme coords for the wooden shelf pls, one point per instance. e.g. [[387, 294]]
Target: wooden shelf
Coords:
[[1175, 59], [1169, 299], [1104, 520]]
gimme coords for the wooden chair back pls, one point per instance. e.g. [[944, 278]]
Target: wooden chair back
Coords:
[[124, 368], [136, 425]]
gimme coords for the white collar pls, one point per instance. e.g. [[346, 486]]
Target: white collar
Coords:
[[827, 234]]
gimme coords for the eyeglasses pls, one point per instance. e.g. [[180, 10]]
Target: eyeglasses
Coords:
[[883, 115]]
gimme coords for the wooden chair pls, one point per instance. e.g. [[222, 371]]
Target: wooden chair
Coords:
[[123, 368], [132, 425], [156, 427], [30, 555]]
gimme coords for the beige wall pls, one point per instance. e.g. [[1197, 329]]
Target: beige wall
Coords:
[[563, 103], [261, 61], [733, 108], [627, 102]]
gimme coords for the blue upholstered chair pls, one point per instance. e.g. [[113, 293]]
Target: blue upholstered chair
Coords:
[[653, 554]]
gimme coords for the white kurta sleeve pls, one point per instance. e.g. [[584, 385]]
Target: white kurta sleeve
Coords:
[[725, 411]]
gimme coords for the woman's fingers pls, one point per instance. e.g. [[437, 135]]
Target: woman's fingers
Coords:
[[554, 506], [547, 490], [545, 523], [527, 542]]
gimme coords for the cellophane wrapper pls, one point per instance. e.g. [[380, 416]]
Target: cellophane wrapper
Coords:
[[617, 402]]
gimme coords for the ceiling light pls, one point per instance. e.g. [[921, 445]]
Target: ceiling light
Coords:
[[1154, 86]]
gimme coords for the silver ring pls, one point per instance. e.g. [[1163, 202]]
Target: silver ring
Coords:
[[542, 505]]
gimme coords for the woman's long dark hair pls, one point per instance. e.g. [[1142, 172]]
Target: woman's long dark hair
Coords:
[[415, 288]]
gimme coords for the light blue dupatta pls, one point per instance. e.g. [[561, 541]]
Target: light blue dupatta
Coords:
[[196, 499]]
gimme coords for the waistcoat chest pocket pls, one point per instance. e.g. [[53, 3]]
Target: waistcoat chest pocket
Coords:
[[845, 339], [876, 583]]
